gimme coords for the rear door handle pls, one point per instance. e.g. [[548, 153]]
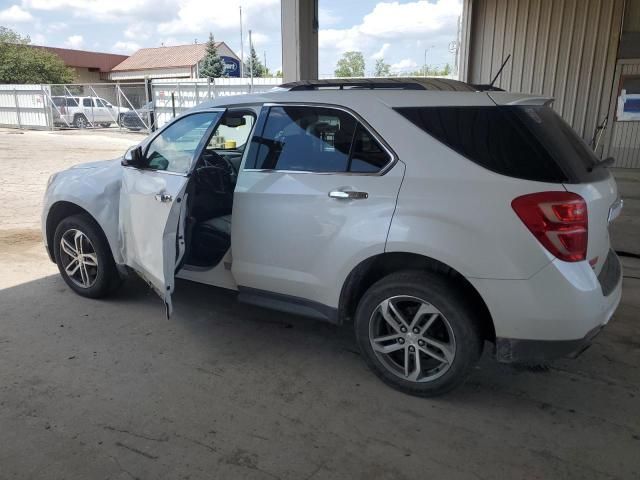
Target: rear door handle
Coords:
[[348, 195], [163, 197]]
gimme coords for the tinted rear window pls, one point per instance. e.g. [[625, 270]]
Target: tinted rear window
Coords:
[[528, 142]]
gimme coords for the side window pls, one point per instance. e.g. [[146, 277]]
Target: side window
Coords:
[[174, 148], [367, 156], [313, 139], [499, 139], [86, 102]]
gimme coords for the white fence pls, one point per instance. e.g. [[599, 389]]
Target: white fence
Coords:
[[172, 97], [24, 106], [33, 106]]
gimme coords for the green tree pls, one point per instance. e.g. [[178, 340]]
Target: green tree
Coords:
[[446, 71], [211, 65], [350, 65], [254, 62], [382, 69], [22, 63]]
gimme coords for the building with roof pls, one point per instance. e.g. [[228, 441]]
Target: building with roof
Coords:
[[89, 67], [180, 61]]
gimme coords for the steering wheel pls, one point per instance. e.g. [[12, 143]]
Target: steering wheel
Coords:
[[213, 161]]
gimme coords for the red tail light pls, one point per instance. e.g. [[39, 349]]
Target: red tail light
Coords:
[[558, 220]]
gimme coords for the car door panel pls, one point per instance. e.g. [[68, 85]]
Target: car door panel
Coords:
[[290, 237], [152, 203], [149, 226], [299, 233]]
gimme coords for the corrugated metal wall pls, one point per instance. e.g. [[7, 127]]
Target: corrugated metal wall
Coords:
[[624, 143], [560, 48]]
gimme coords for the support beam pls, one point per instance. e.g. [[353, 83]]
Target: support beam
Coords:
[[299, 40]]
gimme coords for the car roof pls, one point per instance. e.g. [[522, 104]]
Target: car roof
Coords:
[[390, 91]]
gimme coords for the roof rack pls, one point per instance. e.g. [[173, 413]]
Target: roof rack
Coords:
[[409, 83]]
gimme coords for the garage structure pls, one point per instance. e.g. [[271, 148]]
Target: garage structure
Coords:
[[583, 53]]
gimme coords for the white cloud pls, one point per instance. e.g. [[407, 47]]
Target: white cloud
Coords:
[[74, 41], [327, 17], [401, 25], [194, 16], [126, 47], [259, 39], [138, 31], [56, 26], [403, 65], [393, 19], [38, 39], [380, 53], [15, 14]]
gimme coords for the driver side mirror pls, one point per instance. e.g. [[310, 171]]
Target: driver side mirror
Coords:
[[133, 157]]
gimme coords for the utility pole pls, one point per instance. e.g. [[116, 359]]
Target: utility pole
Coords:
[[251, 59], [241, 47], [265, 63], [425, 59], [424, 65]]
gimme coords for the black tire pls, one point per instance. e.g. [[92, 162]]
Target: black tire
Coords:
[[80, 121], [107, 277], [443, 294]]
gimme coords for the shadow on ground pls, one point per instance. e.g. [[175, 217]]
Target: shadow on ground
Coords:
[[112, 389]]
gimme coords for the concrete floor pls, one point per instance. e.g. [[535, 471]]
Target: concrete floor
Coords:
[[112, 390]]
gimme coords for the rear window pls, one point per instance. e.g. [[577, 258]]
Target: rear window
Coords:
[[528, 142]]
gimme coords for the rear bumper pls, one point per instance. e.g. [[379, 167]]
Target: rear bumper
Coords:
[[511, 350], [555, 313]]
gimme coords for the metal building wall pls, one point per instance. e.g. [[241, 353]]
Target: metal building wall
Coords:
[[564, 49], [624, 139]]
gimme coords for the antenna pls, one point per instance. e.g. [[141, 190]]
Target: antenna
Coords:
[[504, 64]]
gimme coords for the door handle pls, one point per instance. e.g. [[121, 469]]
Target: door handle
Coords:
[[348, 195], [163, 197]]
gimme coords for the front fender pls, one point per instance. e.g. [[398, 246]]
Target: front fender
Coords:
[[96, 190]]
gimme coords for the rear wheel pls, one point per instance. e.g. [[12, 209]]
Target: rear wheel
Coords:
[[84, 258], [417, 333], [80, 121]]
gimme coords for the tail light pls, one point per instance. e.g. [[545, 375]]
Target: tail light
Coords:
[[558, 220], [63, 110]]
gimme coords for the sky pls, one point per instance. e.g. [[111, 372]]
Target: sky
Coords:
[[400, 31]]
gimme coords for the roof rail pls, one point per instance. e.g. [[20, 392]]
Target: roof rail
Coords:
[[423, 83]]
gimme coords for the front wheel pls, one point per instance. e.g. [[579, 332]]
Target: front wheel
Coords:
[[417, 333], [83, 257]]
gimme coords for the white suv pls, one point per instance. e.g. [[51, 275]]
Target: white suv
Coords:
[[432, 215], [83, 112]]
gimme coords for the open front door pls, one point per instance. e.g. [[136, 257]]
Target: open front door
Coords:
[[152, 199]]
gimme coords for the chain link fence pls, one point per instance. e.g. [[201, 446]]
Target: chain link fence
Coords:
[[135, 106]]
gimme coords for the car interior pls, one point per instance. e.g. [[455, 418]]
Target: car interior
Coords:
[[209, 195]]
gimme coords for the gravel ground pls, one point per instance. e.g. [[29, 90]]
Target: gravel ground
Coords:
[[112, 390]]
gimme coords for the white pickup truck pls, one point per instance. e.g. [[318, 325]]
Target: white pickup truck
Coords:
[[83, 112]]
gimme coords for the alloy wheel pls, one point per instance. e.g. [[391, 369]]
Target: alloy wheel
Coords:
[[412, 338], [79, 258]]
